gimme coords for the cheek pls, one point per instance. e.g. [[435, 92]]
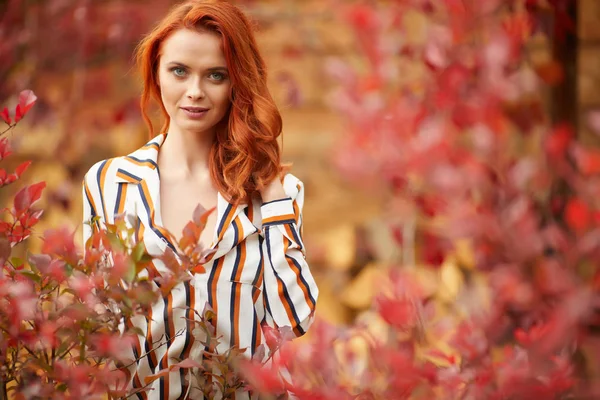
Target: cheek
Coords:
[[222, 97]]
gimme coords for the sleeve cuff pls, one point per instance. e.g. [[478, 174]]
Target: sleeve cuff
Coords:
[[278, 212]]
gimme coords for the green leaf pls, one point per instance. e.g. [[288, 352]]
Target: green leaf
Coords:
[[138, 251], [31, 275], [16, 261]]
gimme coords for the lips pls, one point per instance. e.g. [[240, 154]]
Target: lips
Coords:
[[194, 109]]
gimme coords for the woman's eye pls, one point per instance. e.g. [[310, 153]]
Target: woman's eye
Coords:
[[217, 76], [178, 71]]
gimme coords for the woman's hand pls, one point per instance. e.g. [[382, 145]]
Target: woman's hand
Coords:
[[273, 191]]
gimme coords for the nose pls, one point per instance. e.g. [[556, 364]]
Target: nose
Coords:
[[195, 90]]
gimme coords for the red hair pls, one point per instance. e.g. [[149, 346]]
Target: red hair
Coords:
[[245, 155]]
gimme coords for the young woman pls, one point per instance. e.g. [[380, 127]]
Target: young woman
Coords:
[[218, 148]]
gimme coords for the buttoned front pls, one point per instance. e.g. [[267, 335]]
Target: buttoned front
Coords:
[[256, 275]]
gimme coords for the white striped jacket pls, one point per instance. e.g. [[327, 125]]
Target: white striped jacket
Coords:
[[258, 274]]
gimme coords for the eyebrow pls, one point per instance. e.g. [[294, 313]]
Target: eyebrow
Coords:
[[179, 64]]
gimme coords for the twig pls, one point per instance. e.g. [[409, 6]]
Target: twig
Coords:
[[179, 333]]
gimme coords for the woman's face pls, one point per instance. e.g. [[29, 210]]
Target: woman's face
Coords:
[[194, 81]]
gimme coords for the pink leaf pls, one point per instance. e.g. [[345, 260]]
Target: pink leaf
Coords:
[[22, 168], [26, 100], [18, 113], [5, 116]]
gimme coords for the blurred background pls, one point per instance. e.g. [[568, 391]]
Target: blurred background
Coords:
[[76, 56]]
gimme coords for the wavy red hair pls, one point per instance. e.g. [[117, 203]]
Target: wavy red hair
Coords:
[[245, 155]]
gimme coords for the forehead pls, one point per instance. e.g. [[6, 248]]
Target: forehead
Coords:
[[193, 48]]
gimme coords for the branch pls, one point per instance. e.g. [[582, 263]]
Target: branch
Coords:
[[179, 333]]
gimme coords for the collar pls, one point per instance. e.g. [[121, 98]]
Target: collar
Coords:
[[141, 166]]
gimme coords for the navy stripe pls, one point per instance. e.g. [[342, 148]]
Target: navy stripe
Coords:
[[211, 295], [151, 145], [233, 286], [166, 300], [229, 206], [285, 221], [147, 349], [129, 174], [237, 255], [118, 201], [296, 238], [285, 291], [312, 299], [255, 317], [154, 229], [188, 333], [99, 187], [265, 296], [143, 161], [275, 201], [260, 261], [93, 210]]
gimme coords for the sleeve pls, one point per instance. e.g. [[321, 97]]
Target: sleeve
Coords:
[[91, 196], [290, 291]]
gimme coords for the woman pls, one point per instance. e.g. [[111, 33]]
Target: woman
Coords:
[[218, 149]]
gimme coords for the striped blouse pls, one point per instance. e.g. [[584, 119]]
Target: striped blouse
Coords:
[[257, 274]]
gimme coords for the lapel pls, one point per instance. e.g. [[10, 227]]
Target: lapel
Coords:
[[140, 170]]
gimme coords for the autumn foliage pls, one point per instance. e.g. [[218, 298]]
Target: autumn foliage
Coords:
[[498, 298]]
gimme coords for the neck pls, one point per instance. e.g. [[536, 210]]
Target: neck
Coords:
[[185, 155]]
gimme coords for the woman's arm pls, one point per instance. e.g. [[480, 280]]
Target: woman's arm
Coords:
[[290, 290]]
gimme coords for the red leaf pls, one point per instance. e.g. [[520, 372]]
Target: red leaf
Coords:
[[577, 215], [588, 160], [35, 191], [151, 378], [5, 149], [5, 116], [187, 363], [26, 100], [552, 73], [558, 141], [22, 168], [22, 201], [199, 269], [398, 313], [18, 113]]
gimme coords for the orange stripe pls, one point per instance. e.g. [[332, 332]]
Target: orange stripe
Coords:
[[89, 195], [227, 222], [150, 341], [94, 226], [151, 146], [141, 230], [103, 180], [141, 163], [146, 191], [279, 218], [213, 292], [165, 358], [288, 230], [126, 177], [228, 219], [295, 204], [138, 384], [238, 287], [138, 346], [294, 268], [121, 207], [288, 309], [191, 317]]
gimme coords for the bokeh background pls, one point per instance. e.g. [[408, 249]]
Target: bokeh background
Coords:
[[76, 56]]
